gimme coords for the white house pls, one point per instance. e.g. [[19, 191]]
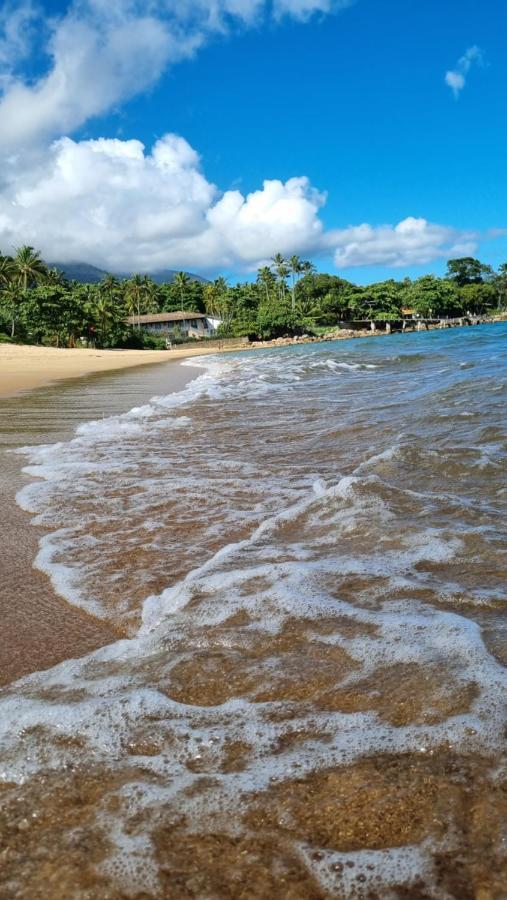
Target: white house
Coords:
[[188, 324]]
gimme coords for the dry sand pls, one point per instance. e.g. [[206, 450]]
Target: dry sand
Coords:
[[23, 367]]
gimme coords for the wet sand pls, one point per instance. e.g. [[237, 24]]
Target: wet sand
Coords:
[[39, 629], [300, 727], [24, 367]]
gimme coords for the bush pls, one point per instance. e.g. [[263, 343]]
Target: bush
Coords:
[[152, 342], [141, 340], [273, 323], [380, 316]]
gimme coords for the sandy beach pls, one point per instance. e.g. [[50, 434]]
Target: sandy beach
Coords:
[[23, 367], [320, 665], [27, 366]]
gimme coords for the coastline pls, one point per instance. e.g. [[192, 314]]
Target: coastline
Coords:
[[45, 629], [25, 367], [87, 735], [39, 627]]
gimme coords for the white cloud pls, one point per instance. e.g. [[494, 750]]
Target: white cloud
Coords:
[[16, 31], [111, 203], [102, 52], [304, 9], [456, 78], [93, 69], [412, 242]]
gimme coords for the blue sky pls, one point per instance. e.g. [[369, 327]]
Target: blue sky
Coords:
[[355, 101]]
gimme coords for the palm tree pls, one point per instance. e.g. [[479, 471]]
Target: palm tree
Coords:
[[110, 287], [7, 276], [140, 294], [87, 296], [281, 269], [181, 281], [306, 306], [134, 294], [10, 293], [296, 268], [25, 270], [89, 293], [103, 311], [30, 267], [501, 284], [218, 301], [265, 278], [7, 271], [224, 301], [212, 296], [151, 294], [221, 285], [54, 276]]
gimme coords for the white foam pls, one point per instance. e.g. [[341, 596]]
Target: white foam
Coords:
[[310, 531], [372, 872]]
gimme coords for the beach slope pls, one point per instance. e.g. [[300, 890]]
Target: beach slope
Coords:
[[23, 367]]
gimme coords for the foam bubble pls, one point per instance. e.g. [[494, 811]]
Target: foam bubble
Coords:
[[273, 542]]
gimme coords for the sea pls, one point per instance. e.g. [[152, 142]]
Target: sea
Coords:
[[303, 555]]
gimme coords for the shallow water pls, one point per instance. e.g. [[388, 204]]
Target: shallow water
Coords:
[[307, 549]]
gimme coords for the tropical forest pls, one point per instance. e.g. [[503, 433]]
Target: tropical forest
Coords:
[[288, 297]]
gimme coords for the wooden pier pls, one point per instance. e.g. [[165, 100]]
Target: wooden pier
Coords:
[[412, 324]]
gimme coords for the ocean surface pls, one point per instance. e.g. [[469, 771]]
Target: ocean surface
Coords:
[[305, 550]]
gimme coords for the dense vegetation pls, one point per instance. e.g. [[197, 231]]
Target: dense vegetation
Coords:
[[289, 297]]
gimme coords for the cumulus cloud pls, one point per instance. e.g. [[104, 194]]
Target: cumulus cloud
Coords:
[[116, 204], [456, 78], [112, 203], [412, 242]]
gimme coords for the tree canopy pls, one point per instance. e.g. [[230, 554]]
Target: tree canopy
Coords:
[[38, 304]]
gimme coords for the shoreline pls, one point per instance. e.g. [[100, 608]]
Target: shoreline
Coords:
[[25, 367], [282, 620], [342, 334], [46, 629], [40, 628]]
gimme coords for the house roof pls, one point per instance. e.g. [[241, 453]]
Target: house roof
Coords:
[[164, 317]]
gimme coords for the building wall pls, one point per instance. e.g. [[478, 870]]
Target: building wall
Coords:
[[191, 327]]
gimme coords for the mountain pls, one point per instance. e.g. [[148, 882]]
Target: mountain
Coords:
[[87, 274], [81, 272]]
